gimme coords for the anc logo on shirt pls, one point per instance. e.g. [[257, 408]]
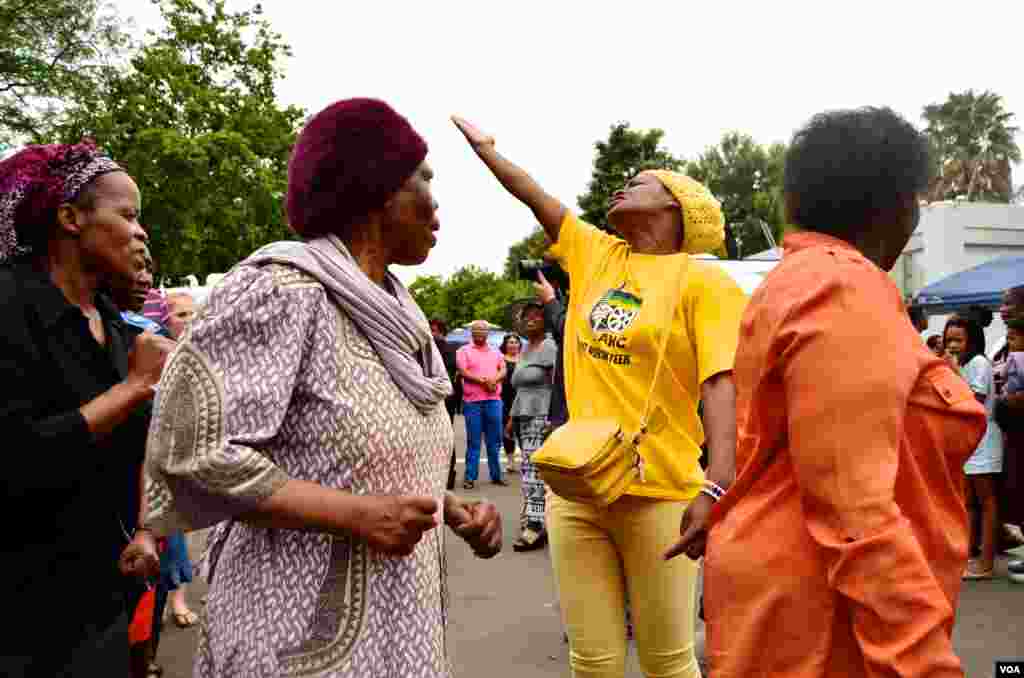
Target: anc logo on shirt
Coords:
[[615, 311]]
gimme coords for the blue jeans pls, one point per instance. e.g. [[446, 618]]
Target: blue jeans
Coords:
[[483, 418]]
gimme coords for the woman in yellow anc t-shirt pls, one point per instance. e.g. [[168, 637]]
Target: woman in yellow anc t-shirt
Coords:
[[625, 291]]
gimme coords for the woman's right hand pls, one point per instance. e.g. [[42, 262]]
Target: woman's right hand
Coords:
[[395, 524], [147, 358], [545, 292], [476, 138], [546, 208]]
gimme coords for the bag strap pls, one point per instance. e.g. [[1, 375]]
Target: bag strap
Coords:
[[666, 332]]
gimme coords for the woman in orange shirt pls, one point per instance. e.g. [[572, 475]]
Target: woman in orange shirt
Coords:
[[852, 435]]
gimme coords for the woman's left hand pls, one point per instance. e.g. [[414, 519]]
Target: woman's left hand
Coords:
[[693, 529], [479, 523], [140, 558]]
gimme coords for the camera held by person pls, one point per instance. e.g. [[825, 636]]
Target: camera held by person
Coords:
[[528, 269]]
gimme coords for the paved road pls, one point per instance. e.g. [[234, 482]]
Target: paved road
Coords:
[[504, 623]]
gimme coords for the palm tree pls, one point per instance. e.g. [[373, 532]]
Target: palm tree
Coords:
[[974, 145]]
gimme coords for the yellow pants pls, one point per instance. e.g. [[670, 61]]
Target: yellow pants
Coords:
[[599, 554]]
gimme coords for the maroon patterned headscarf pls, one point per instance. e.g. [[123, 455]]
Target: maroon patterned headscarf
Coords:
[[35, 182]]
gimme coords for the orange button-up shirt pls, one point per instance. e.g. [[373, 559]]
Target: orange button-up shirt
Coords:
[[840, 547]]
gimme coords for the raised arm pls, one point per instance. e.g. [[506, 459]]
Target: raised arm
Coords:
[[547, 209], [554, 312]]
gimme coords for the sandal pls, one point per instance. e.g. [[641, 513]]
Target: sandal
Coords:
[[154, 670], [974, 572], [184, 620], [1015, 571], [530, 540], [468, 485]]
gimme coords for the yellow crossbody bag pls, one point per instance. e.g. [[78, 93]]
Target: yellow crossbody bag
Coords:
[[595, 460]]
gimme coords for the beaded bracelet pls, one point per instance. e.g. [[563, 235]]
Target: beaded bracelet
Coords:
[[713, 490], [708, 492]]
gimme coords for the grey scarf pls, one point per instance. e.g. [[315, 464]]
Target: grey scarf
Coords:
[[395, 325]]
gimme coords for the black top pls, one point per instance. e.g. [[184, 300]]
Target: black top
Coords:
[[554, 320], [64, 496], [448, 357], [508, 391]]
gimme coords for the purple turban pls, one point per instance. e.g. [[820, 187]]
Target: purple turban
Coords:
[[36, 181], [348, 160]]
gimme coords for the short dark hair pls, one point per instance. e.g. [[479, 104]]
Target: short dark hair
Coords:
[[980, 315], [1016, 294], [505, 340], [975, 336], [917, 315], [845, 165], [441, 325]]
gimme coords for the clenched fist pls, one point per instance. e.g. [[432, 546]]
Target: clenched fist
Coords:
[[147, 358], [395, 524]]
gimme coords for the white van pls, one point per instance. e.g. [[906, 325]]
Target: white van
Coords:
[[747, 273]]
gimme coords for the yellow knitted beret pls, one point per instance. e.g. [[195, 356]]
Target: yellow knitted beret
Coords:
[[703, 221]]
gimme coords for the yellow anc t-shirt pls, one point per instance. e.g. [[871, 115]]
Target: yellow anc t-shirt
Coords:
[[619, 303]]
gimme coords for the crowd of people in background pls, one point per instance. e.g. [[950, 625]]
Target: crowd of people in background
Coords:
[[302, 414], [994, 477]]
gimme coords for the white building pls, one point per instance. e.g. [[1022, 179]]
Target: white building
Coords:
[[955, 236]]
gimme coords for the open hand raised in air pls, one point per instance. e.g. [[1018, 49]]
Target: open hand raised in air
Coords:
[[474, 136]]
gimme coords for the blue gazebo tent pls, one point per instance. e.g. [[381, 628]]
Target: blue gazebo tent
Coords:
[[979, 286]]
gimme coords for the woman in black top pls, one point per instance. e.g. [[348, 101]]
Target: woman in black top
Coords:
[[511, 346], [439, 329], [74, 393]]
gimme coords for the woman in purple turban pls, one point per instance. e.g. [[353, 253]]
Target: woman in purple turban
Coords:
[[74, 392], [304, 413]]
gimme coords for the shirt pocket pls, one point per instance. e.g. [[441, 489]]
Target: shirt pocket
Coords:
[[949, 389], [943, 416]]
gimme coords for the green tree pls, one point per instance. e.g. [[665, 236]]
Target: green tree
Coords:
[[974, 145], [532, 246], [471, 293], [625, 152], [747, 178], [195, 120], [52, 53], [430, 293]]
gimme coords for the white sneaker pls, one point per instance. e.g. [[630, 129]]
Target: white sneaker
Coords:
[[1015, 571]]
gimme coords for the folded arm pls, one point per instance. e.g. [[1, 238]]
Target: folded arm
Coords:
[[71, 432]]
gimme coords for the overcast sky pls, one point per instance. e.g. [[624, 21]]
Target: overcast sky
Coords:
[[549, 78]]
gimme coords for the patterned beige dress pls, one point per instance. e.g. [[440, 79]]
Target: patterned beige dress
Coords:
[[275, 382]]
